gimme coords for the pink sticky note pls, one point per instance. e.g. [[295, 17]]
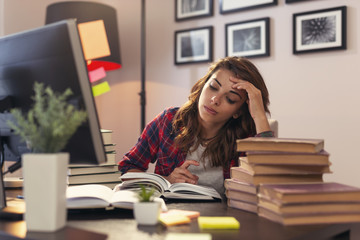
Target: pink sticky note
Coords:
[[97, 74]]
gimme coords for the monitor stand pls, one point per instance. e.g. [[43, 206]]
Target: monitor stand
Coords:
[[2, 191]]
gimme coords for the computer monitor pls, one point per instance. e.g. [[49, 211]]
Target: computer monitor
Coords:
[[51, 54]]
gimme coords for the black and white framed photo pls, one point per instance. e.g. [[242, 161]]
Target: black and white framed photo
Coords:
[[194, 45], [228, 6], [190, 9], [319, 30], [248, 38]]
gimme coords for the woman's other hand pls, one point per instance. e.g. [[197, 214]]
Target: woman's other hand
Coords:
[[255, 103]]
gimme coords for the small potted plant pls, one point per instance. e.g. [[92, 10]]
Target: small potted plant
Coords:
[[147, 211], [46, 128]]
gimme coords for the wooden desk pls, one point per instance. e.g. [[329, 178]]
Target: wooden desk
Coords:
[[120, 224]]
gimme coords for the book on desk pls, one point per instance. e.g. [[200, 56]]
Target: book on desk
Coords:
[[100, 196], [133, 180]]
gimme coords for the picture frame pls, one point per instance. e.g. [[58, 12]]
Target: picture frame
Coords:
[[248, 38], [194, 45], [191, 9], [308, 37], [229, 6]]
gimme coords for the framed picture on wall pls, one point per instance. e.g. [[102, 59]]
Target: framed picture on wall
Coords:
[[228, 6], [190, 9], [193, 45], [319, 30], [248, 38]]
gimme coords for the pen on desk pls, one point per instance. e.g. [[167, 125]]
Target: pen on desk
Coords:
[[20, 196]]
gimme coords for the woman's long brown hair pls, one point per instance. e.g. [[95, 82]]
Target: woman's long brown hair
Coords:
[[221, 149]]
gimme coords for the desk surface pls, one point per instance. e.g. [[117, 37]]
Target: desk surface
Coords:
[[120, 224]]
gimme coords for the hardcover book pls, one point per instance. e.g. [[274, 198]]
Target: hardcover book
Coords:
[[290, 158], [233, 184], [306, 219], [242, 205], [92, 169], [309, 192], [242, 175], [241, 196], [106, 136], [280, 144], [308, 208], [266, 169]]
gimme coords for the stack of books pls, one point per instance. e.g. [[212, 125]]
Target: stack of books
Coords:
[[241, 195], [309, 203], [274, 160], [105, 174]]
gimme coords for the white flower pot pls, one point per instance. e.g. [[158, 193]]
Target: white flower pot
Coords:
[[147, 213], [45, 185]]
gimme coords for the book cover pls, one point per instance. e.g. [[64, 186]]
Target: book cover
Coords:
[[306, 219], [106, 136], [132, 180], [289, 158], [310, 192], [233, 184], [242, 205], [280, 144], [242, 175], [110, 148], [241, 196], [92, 169], [308, 208], [265, 169]]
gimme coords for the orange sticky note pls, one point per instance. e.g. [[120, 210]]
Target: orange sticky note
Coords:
[[186, 213], [93, 39], [173, 219]]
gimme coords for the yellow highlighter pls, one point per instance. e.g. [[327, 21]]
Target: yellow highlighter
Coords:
[[218, 223]]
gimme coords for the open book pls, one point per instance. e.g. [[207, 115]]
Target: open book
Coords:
[[100, 196], [133, 180]]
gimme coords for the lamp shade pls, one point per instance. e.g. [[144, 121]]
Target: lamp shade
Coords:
[[86, 12]]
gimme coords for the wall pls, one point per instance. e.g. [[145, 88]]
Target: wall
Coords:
[[312, 95], [1, 17]]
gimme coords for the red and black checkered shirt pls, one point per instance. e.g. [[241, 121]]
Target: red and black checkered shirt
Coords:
[[156, 144]]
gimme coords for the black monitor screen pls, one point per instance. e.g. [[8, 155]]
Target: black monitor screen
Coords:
[[52, 55]]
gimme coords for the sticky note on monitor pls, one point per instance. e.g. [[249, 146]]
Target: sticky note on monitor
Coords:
[[100, 88], [218, 223], [97, 74], [94, 39]]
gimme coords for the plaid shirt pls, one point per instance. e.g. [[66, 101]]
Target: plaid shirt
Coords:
[[156, 144]]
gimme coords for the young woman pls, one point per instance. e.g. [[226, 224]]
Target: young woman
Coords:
[[196, 143]]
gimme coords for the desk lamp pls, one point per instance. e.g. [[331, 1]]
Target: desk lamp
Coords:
[[88, 12]]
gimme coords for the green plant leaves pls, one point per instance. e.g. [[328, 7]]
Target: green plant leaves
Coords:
[[50, 123]]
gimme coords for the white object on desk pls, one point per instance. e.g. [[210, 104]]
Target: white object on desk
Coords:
[[45, 190], [188, 236]]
